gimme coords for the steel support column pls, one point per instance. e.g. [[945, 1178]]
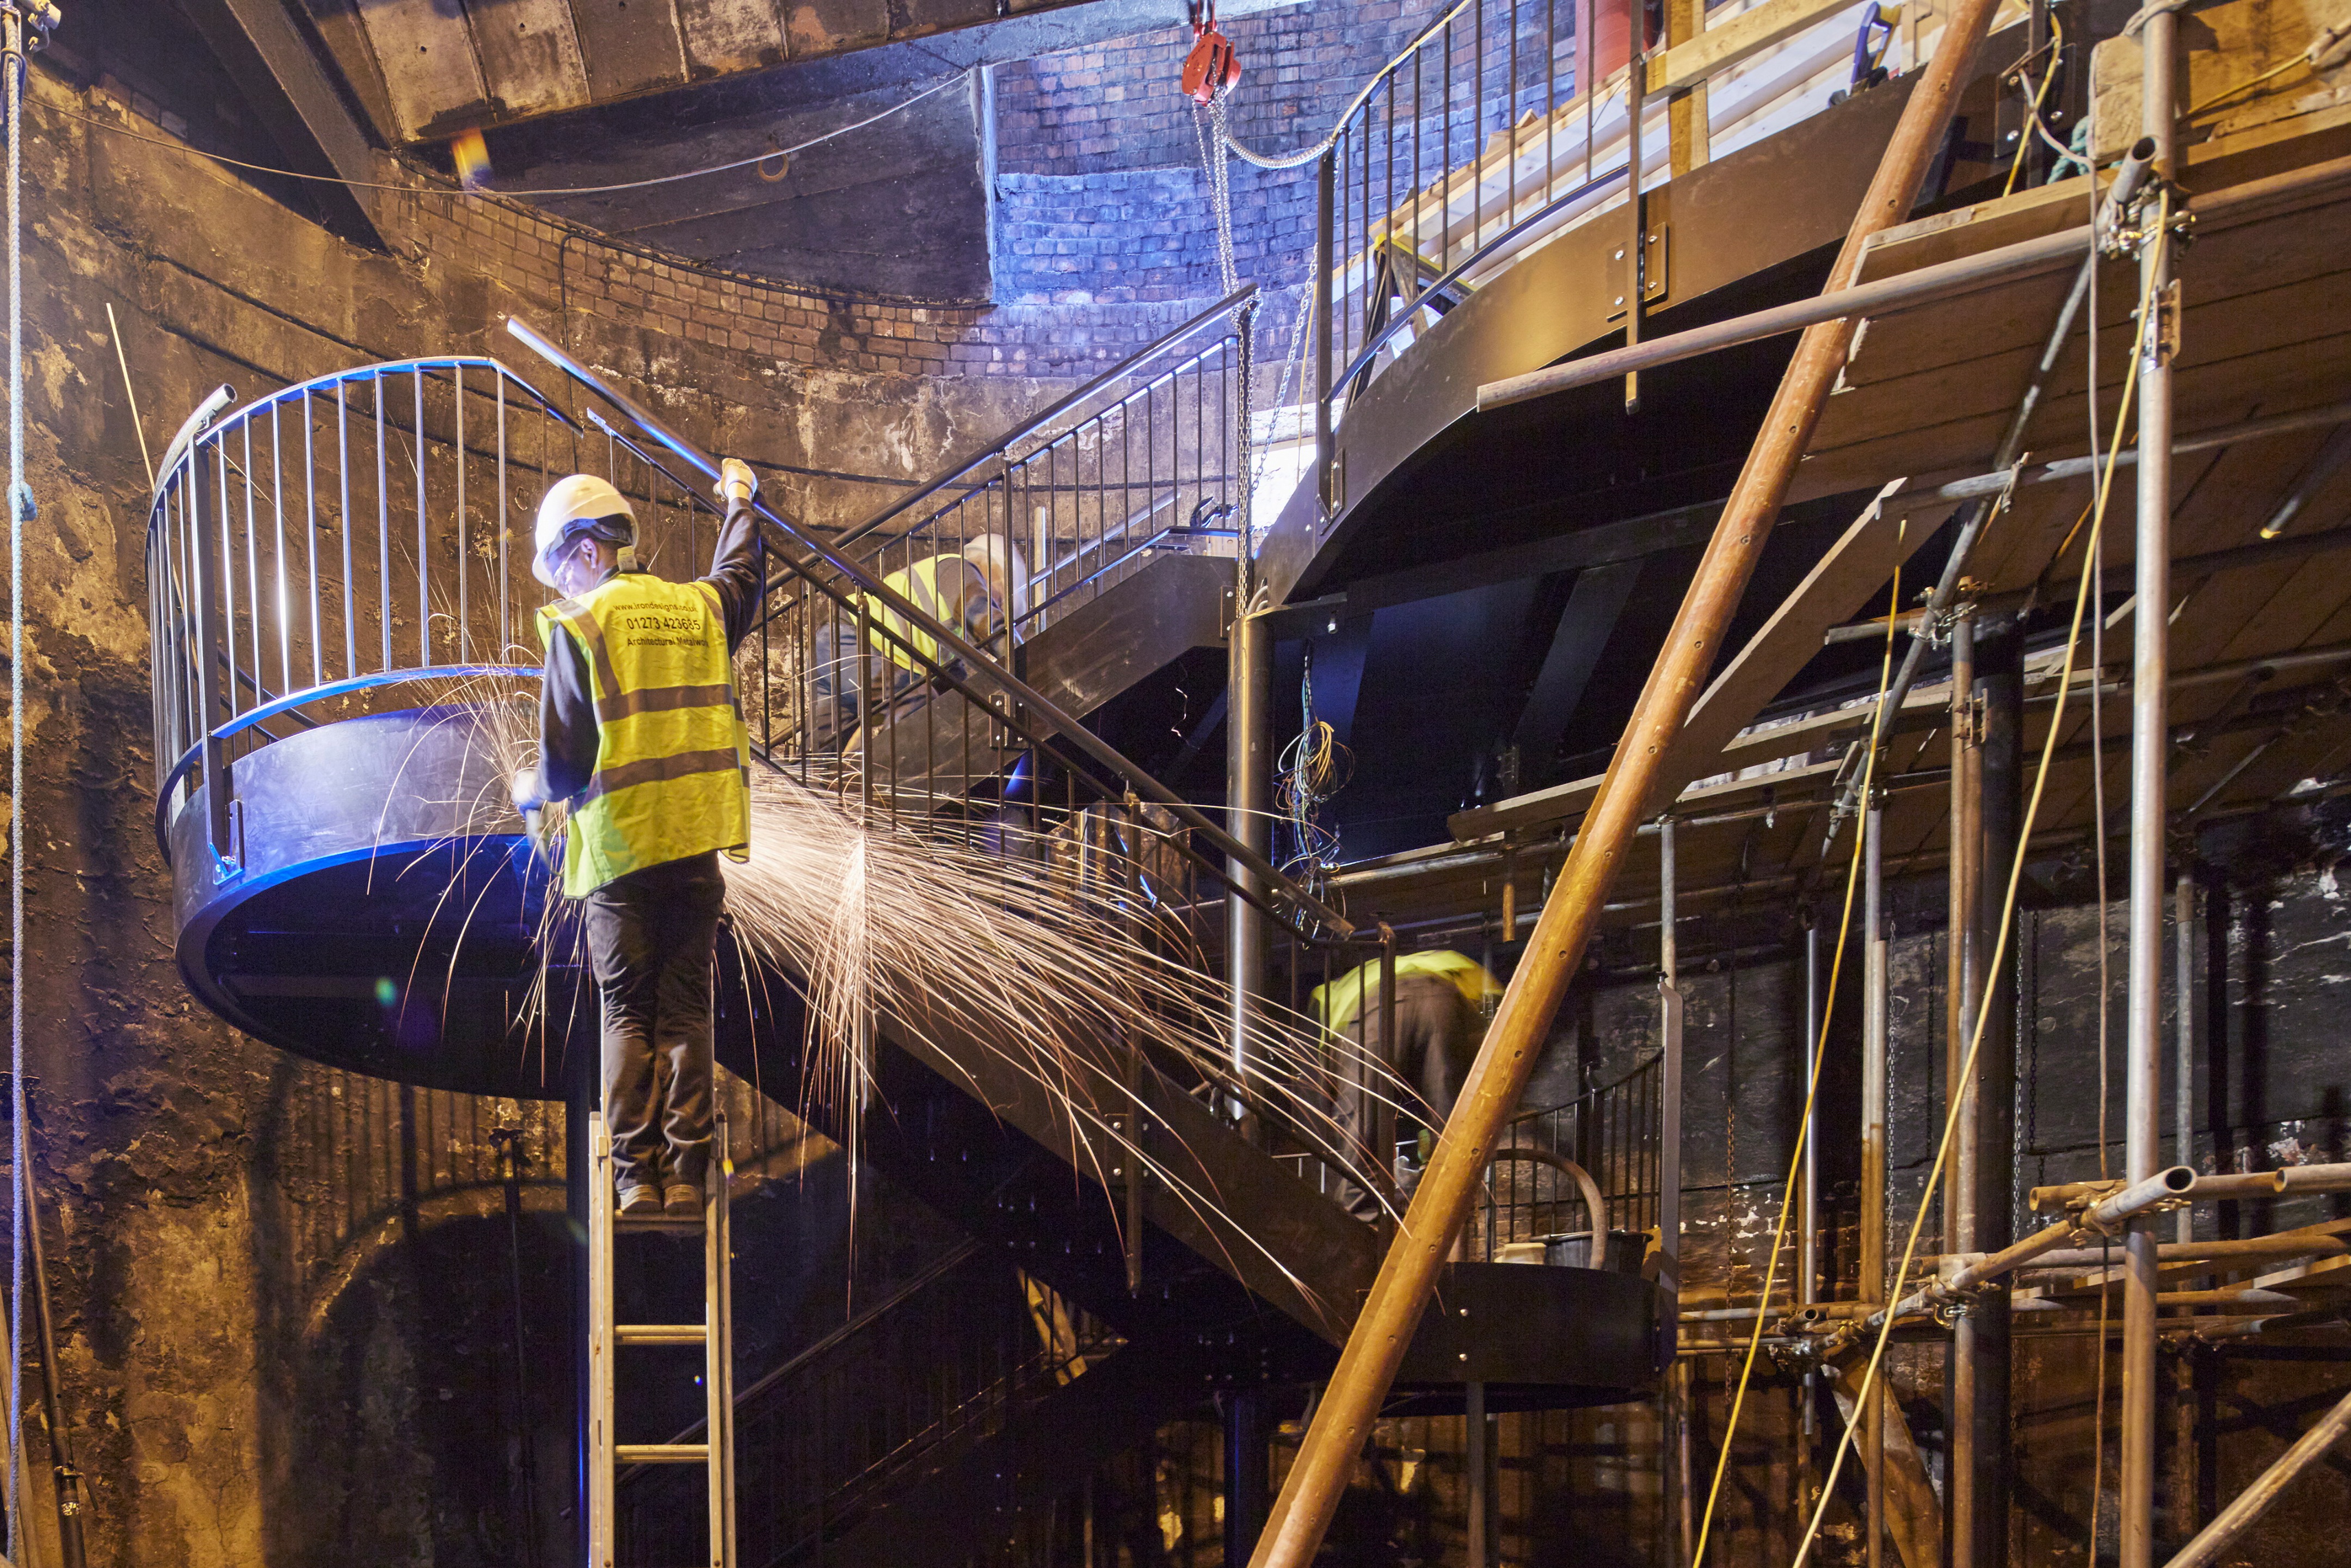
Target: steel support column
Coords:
[[1245, 1469], [2150, 666], [1980, 1351], [1247, 779], [1875, 1016]]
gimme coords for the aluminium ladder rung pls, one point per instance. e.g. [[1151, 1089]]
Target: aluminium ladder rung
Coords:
[[659, 1334], [608, 1456], [661, 1453]]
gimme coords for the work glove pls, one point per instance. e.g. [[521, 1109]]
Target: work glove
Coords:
[[524, 791], [736, 482]]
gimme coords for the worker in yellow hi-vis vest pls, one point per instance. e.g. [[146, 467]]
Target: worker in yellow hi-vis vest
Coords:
[[1441, 1001], [642, 737], [981, 591]]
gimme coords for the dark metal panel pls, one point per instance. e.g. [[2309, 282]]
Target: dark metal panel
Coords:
[[1592, 606], [1528, 1322], [629, 46], [289, 90], [530, 54], [1763, 208], [1138, 628]]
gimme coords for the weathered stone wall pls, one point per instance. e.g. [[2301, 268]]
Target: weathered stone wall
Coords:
[[282, 1292]]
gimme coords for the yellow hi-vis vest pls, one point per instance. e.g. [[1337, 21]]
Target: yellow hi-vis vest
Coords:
[[922, 583], [1350, 993], [672, 754]]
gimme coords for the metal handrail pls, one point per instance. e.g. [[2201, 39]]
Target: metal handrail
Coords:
[[186, 761], [1053, 411], [795, 538], [1444, 281], [217, 428]]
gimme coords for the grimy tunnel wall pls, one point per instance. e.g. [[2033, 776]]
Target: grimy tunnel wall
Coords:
[[284, 1330], [281, 1310]]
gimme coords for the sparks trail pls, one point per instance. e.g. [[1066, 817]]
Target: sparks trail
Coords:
[[989, 944]]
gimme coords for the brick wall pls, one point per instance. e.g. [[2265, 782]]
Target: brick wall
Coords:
[[1100, 194], [1117, 106], [579, 275]]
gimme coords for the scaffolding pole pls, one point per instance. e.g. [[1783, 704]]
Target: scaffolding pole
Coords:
[[1391, 1312], [2150, 664]]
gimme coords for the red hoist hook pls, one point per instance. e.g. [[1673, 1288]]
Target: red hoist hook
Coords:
[[1212, 66]]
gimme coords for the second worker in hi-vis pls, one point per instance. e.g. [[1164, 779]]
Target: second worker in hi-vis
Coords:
[[642, 739]]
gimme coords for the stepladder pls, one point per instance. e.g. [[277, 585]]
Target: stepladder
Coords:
[[608, 1453]]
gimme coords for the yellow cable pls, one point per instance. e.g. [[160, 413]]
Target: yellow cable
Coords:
[[1820, 1052], [2007, 913], [2227, 93], [2023, 142]]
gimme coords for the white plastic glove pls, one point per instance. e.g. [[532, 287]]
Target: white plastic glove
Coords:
[[736, 482]]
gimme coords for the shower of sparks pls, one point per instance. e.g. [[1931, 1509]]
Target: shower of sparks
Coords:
[[991, 944]]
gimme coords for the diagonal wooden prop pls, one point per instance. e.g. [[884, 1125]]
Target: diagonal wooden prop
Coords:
[[1392, 1312]]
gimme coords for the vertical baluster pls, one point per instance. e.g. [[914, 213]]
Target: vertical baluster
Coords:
[[277, 513], [252, 565], [505, 625], [344, 479], [224, 562], [423, 545], [382, 519], [464, 531]]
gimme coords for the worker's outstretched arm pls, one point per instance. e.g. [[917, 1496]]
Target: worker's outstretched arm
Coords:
[[567, 728], [738, 564]]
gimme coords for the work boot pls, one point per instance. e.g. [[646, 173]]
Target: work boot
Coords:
[[640, 1200], [683, 1199]]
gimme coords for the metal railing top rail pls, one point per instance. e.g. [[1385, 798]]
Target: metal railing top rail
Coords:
[[1456, 146], [903, 643], [250, 619], [1004, 443], [216, 426], [802, 553]]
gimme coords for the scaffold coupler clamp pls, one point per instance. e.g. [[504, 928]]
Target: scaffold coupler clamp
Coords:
[[16, 17]]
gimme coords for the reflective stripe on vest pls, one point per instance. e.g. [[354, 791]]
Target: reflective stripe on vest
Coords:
[[1348, 994], [920, 584], [672, 754]]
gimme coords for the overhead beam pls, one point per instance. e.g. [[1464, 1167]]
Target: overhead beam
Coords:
[[1867, 554], [1630, 539], [272, 62], [1836, 587], [1593, 607]]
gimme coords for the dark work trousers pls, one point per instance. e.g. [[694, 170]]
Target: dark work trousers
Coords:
[[652, 935], [1437, 1031]]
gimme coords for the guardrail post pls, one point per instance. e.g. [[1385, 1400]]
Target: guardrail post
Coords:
[[1247, 779], [211, 640], [1325, 223]]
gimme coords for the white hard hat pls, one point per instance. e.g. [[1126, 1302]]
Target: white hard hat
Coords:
[[582, 498]]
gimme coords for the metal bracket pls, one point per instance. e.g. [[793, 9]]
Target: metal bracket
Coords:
[[229, 865], [1653, 270], [2163, 342]]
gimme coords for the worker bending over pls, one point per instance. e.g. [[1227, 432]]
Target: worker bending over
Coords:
[[641, 735], [1441, 1017], [980, 591]]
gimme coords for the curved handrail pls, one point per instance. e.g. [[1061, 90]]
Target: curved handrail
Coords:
[[1596, 1205], [1397, 322], [414, 675], [219, 428], [996, 448], [790, 538]]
